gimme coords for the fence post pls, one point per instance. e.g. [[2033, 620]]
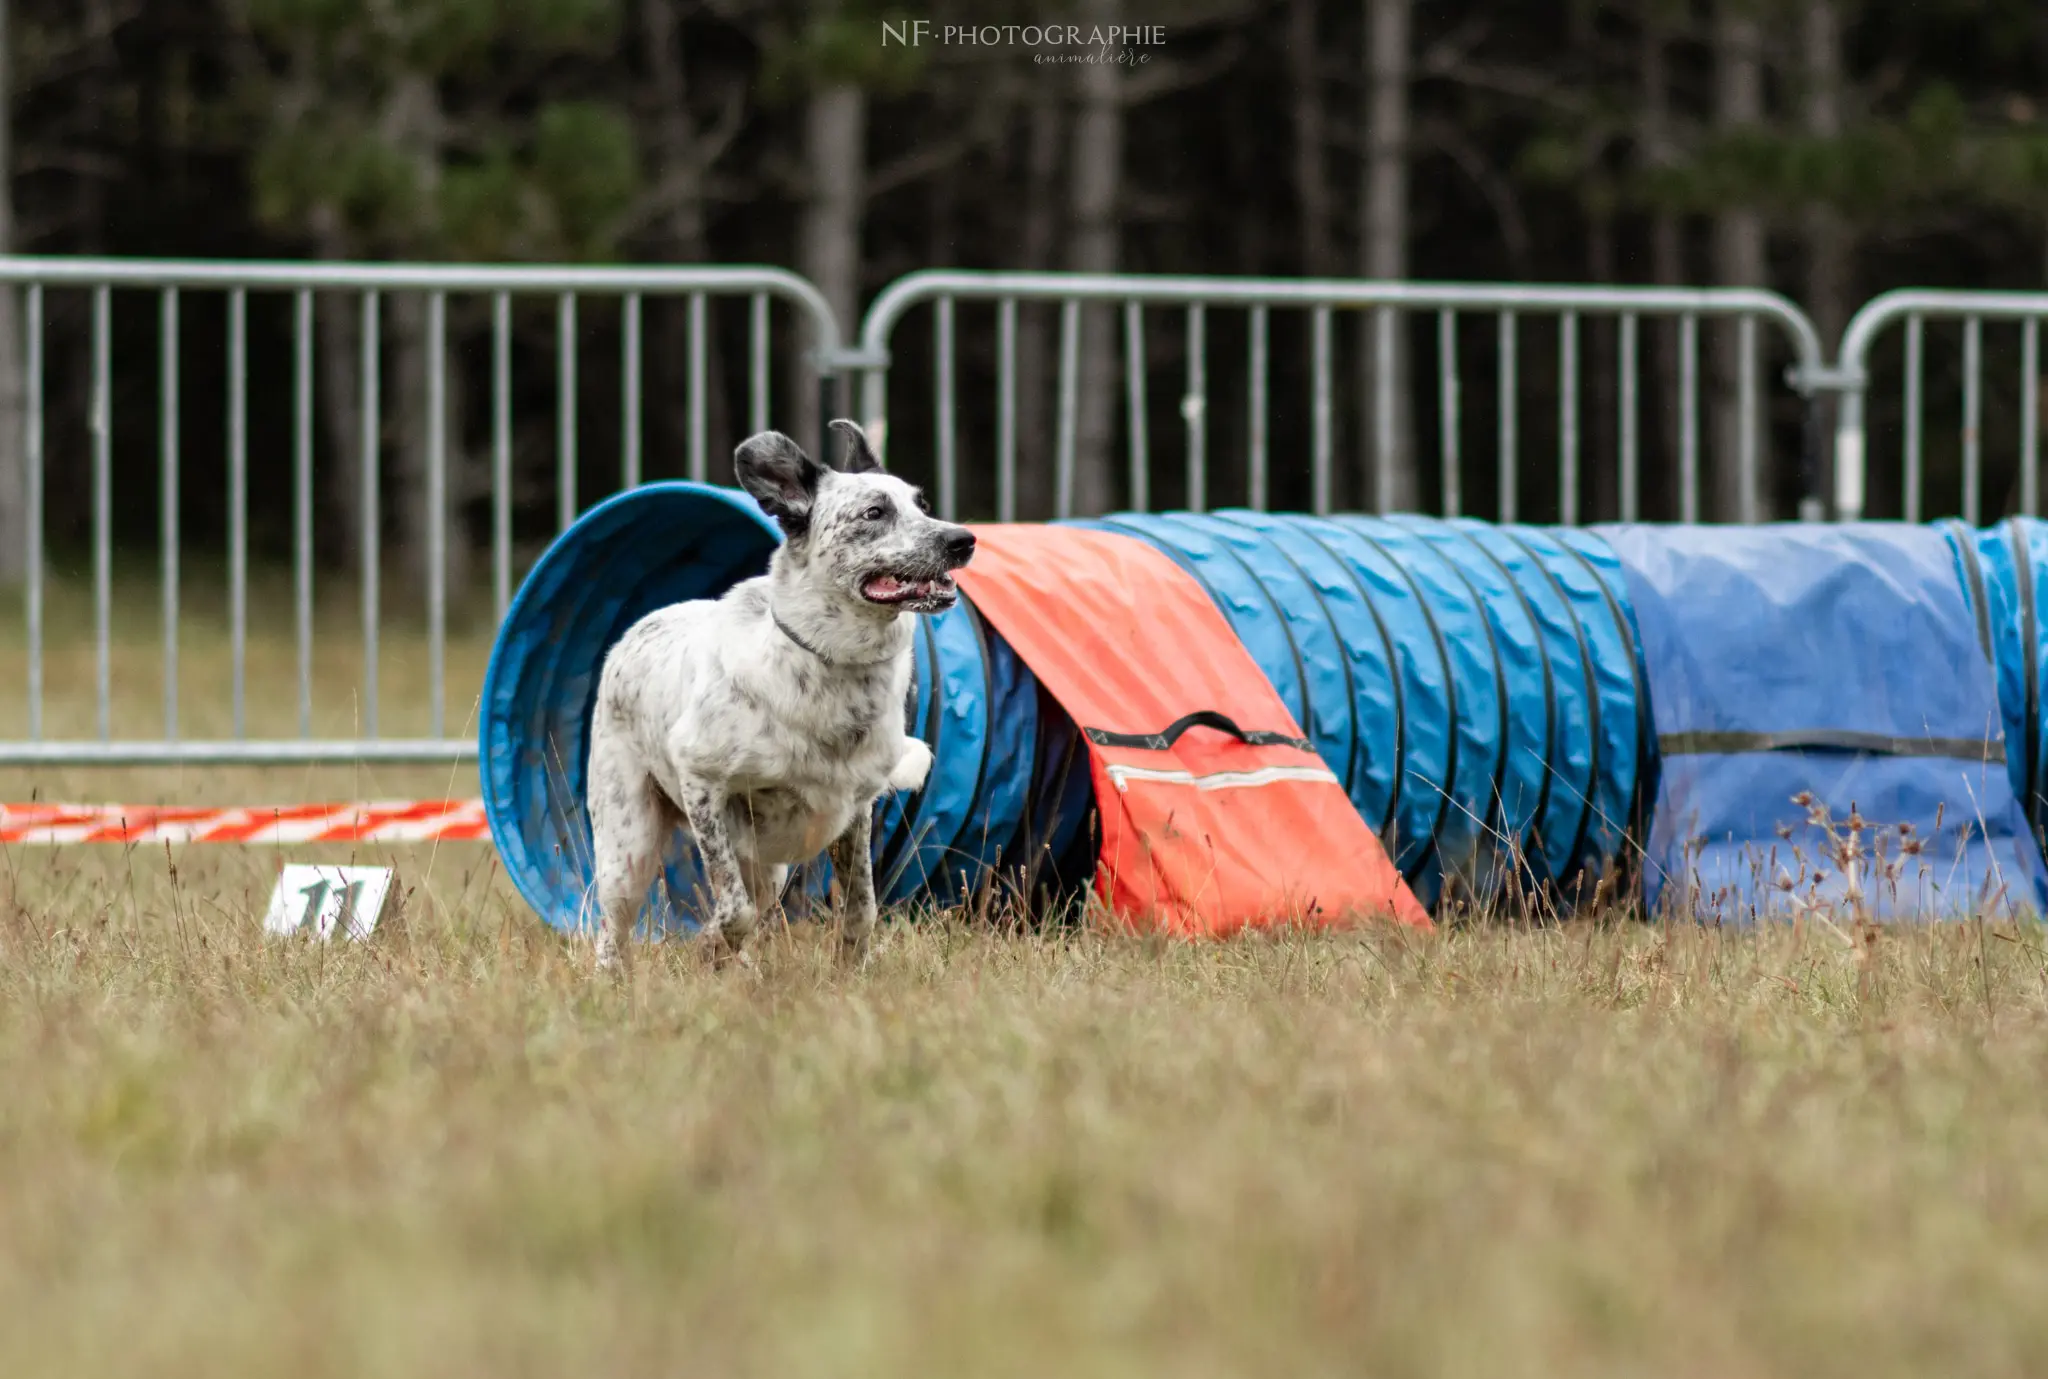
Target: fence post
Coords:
[[1812, 497], [1847, 381], [1849, 452]]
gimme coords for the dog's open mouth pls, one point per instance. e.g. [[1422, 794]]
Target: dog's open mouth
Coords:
[[924, 595]]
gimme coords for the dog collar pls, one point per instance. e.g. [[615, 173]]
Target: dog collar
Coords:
[[791, 633]]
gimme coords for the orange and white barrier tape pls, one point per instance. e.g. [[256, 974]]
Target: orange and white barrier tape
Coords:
[[402, 821]]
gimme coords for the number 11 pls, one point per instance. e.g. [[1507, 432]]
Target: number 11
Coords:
[[316, 897]]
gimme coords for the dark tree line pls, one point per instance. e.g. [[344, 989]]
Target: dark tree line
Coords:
[[1826, 148]]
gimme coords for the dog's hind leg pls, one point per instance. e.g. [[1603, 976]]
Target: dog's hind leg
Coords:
[[629, 824], [853, 862], [733, 912]]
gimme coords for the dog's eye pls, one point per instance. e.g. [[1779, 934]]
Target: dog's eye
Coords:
[[923, 506], [876, 512]]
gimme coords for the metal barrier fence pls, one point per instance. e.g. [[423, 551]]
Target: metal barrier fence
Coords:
[[1853, 378], [1105, 328], [173, 285], [1321, 300]]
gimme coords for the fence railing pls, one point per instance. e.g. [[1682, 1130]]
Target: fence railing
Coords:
[[1381, 305], [1854, 375], [297, 388], [421, 295]]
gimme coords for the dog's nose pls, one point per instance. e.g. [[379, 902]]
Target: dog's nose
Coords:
[[959, 546]]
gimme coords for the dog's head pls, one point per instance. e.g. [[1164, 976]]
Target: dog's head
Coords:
[[866, 534]]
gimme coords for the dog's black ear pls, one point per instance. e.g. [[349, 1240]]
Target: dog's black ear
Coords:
[[780, 476], [860, 459]]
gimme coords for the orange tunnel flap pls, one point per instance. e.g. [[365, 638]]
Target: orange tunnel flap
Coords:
[[1216, 811]]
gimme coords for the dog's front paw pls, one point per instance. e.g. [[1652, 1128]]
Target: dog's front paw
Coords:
[[610, 953], [856, 946], [723, 951], [912, 766]]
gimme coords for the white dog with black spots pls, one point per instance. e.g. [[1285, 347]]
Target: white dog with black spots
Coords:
[[767, 722]]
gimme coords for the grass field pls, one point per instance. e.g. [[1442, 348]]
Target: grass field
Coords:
[[1597, 1149], [1582, 1151]]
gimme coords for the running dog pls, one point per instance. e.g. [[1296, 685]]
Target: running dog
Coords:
[[768, 722]]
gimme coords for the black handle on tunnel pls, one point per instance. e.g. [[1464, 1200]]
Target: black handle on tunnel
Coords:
[[1200, 718]]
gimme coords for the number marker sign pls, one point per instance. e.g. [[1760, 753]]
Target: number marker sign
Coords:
[[322, 902]]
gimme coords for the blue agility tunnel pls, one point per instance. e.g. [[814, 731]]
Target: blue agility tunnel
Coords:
[[1500, 702], [1475, 688], [2001, 571], [1875, 669]]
